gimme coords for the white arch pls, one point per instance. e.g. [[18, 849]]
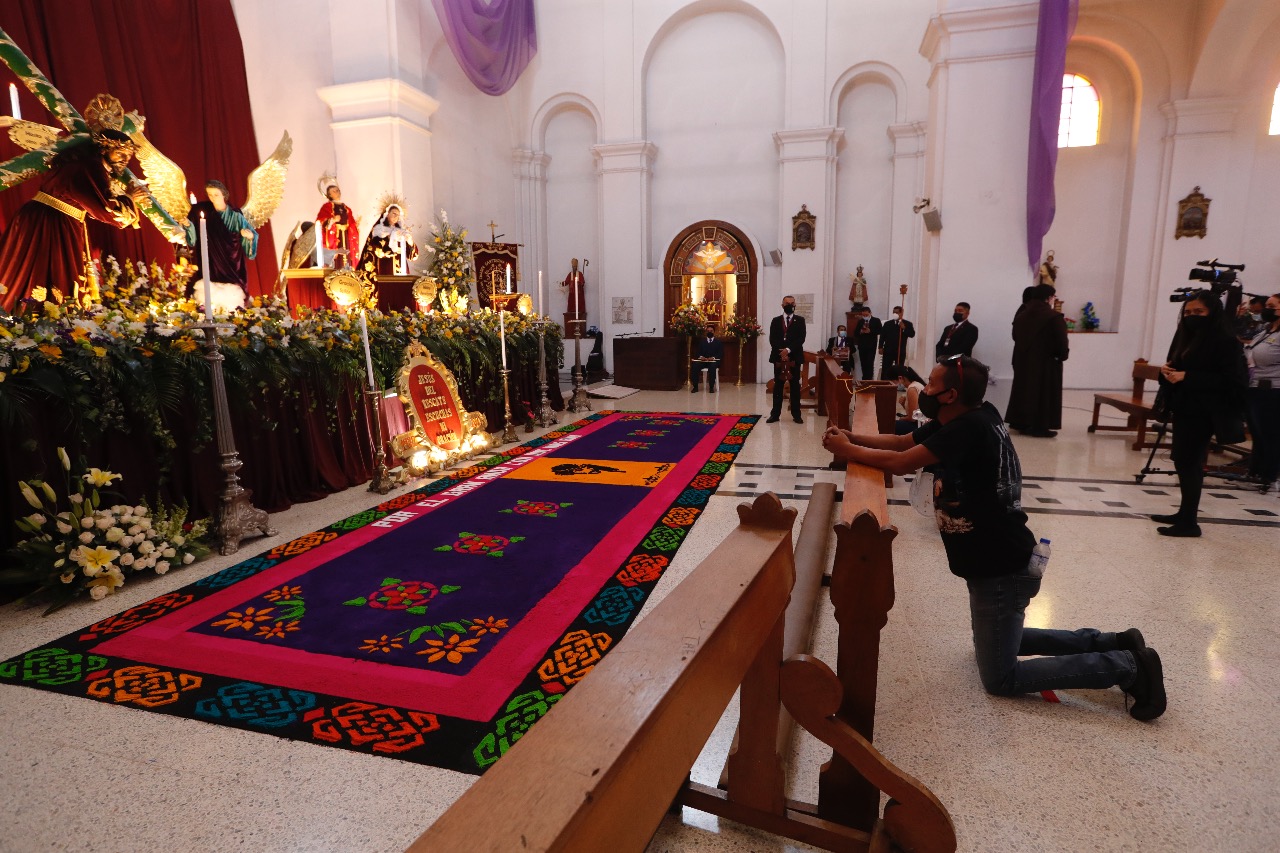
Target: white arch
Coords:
[[554, 105], [871, 71]]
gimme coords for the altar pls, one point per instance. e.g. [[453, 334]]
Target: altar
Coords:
[[305, 287]]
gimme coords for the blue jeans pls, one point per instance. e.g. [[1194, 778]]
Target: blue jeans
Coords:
[[1085, 658]]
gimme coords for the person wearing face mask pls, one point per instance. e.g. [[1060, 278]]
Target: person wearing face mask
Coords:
[[786, 354], [1203, 383], [1263, 353], [709, 356], [958, 338], [1249, 318], [977, 504], [910, 384], [893, 341], [1039, 348], [841, 343]]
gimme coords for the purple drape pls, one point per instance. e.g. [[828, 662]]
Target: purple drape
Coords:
[[1057, 22], [493, 41]]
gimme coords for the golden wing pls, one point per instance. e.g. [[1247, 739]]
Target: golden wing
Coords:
[[266, 184], [165, 179], [29, 134]]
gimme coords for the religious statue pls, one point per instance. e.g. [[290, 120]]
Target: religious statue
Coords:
[[575, 285], [390, 246], [338, 225], [1048, 270], [858, 290], [232, 239]]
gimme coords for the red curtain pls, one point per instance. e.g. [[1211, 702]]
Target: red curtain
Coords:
[[177, 62]]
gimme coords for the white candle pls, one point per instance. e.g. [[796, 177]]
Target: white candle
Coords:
[[13, 101], [319, 245], [368, 356], [204, 268], [541, 307], [404, 256], [502, 334], [508, 278]]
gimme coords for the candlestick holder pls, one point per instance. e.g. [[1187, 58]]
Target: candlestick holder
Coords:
[[382, 481], [742, 347], [579, 402], [546, 415], [509, 432], [236, 514]]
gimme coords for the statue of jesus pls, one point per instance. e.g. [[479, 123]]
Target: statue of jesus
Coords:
[[575, 284], [858, 290]]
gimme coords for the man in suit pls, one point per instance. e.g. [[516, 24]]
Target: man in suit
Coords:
[[841, 342], [708, 348], [866, 336], [893, 340], [958, 338], [786, 354]]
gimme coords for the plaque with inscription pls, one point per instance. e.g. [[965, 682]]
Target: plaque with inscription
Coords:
[[443, 431]]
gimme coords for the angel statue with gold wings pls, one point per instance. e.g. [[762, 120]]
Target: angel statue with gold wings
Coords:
[[45, 252]]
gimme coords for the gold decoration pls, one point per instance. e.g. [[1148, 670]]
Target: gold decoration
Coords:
[[29, 135], [389, 200], [804, 229], [266, 184], [524, 304], [164, 177], [1193, 216], [424, 292], [417, 451], [105, 112], [348, 288]]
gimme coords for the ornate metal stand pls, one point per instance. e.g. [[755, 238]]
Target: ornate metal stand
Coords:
[[742, 348], [579, 402], [546, 416], [509, 433], [688, 361], [236, 514], [382, 481]]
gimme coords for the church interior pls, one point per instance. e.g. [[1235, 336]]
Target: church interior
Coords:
[[524, 230]]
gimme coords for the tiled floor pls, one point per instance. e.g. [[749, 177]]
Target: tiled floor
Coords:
[[1016, 774]]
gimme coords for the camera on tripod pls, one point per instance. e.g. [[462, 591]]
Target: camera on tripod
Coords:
[[1217, 276]]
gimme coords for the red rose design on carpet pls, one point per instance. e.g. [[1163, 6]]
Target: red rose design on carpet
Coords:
[[409, 596], [481, 543], [546, 509]]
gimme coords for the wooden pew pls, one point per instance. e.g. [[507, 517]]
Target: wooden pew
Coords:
[[620, 743], [1136, 405]]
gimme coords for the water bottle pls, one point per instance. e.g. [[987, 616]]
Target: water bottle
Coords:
[[1039, 559]]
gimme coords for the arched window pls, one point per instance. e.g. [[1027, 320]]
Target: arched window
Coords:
[[1080, 113], [1275, 114]]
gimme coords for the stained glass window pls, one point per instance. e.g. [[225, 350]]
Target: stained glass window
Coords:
[[1080, 113]]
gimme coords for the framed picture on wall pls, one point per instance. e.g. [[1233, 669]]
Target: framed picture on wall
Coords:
[[804, 228], [1193, 215]]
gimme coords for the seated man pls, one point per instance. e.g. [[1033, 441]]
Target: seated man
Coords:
[[977, 503], [707, 356], [838, 346]]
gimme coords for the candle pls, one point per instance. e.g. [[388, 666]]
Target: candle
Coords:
[[502, 334], [13, 101], [404, 257], [204, 268], [508, 278], [319, 245], [541, 308], [368, 356]]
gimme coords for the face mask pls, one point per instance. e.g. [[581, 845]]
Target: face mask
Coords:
[[1268, 315], [957, 317], [788, 310], [840, 333], [1195, 322], [897, 318], [929, 405], [1255, 317]]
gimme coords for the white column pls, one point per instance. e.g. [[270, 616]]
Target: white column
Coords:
[[625, 169], [982, 62], [530, 171], [807, 176], [905, 229], [382, 142]]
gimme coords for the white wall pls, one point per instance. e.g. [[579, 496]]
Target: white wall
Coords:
[[572, 209]]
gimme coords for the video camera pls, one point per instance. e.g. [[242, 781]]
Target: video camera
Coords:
[[1218, 277]]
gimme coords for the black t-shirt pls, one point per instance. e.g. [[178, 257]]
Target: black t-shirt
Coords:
[[977, 494]]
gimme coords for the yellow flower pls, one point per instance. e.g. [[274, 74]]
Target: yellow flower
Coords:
[[94, 559], [79, 333], [185, 345], [99, 478], [51, 351], [30, 496], [100, 351]]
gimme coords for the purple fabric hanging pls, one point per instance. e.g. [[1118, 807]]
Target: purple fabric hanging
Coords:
[[493, 41], [1057, 22]]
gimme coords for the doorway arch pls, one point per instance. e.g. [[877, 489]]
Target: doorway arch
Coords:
[[705, 258]]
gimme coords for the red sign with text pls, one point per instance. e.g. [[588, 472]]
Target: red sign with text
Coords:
[[433, 404]]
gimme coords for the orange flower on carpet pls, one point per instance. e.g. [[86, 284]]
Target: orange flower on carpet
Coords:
[[451, 650], [247, 620], [283, 592], [492, 625], [277, 630], [382, 644]]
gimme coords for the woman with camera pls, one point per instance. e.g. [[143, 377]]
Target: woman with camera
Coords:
[[1263, 353], [1203, 383]]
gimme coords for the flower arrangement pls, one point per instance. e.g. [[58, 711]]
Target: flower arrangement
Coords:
[[688, 320], [451, 264], [92, 547], [1088, 318], [743, 327]]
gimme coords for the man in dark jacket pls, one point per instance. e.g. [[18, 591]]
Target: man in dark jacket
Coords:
[[958, 338], [1039, 348], [709, 357], [786, 354], [866, 335], [894, 335]]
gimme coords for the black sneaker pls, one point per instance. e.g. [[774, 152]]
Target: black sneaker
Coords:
[[1147, 690], [1172, 518], [1130, 640], [1189, 531]]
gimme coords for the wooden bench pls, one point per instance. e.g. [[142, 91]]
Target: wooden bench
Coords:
[[599, 771], [808, 381], [1136, 405]]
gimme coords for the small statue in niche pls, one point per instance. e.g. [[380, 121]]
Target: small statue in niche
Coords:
[[858, 289], [1048, 270]]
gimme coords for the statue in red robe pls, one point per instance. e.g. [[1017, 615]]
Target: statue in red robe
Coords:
[[337, 222], [46, 245], [575, 285]]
